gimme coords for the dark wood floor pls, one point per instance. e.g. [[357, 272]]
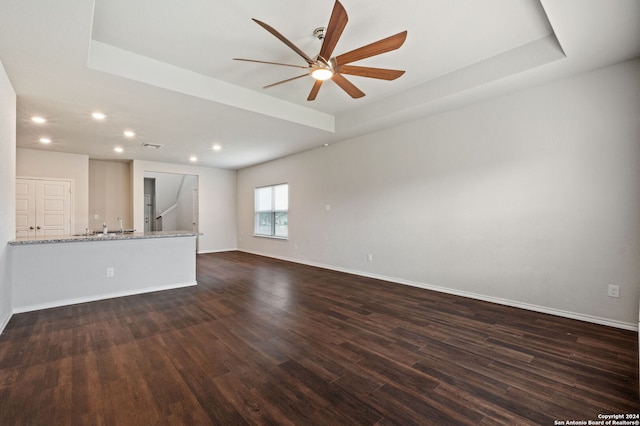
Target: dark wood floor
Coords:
[[261, 341]]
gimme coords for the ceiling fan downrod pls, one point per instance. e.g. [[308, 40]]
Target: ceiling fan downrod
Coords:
[[320, 32]]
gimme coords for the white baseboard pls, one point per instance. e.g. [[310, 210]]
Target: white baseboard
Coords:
[[4, 322], [217, 251], [500, 301], [59, 303]]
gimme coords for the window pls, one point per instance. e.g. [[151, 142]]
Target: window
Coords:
[[271, 211]]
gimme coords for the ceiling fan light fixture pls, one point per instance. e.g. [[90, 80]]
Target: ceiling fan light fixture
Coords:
[[320, 73]]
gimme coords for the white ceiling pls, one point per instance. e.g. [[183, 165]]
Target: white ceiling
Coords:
[[164, 68]]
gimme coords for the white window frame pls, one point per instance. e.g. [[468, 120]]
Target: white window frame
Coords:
[[272, 211]]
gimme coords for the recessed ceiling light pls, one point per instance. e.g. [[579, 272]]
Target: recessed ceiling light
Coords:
[[129, 133], [118, 149], [45, 140], [98, 115], [217, 147], [193, 159], [38, 120]]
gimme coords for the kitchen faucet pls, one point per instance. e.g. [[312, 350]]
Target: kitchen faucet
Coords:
[[121, 228]]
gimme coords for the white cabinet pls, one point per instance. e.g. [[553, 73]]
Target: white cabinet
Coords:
[[43, 207]]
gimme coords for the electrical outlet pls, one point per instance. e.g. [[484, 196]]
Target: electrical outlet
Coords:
[[613, 291], [109, 272], [370, 257]]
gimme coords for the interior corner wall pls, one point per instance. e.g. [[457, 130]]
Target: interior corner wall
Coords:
[[185, 216], [529, 200], [216, 205], [7, 192], [109, 194], [34, 163]]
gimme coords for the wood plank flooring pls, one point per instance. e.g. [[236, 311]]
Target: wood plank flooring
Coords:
[[262, 341]]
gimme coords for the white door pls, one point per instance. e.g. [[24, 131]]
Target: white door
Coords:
[[147, 212], [53, 207], [25, 208], [43, 207]]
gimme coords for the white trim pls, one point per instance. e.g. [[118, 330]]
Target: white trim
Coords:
[[500, 301], [44, 178], [217, 251], [59, 303], [173, 207], [273, 237], [5, 322]]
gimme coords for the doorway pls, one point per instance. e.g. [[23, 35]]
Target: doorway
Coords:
[[149, 204], [171, 202]]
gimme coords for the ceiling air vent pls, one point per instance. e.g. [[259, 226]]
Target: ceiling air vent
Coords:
[[151, 145]]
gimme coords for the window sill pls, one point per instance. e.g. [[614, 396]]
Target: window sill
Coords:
[[271, 237]]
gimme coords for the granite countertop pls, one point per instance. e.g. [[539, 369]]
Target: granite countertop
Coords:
[[100, 237]]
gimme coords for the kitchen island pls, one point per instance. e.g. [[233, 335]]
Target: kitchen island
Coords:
[[63, 270]]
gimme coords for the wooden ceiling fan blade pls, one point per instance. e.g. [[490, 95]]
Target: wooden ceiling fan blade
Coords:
[[271, 63], [379, 73], [285, 81], [285, 41], [347, 86], [337, 23], [376, 48], [314, 90]]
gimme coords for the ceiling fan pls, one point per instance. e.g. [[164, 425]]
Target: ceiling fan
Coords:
[[323, 66]]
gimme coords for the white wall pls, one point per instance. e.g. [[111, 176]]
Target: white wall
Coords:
[[530, 200], [7, 191], [109, 194], [184, 214], [58, 165], [217, 202]]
